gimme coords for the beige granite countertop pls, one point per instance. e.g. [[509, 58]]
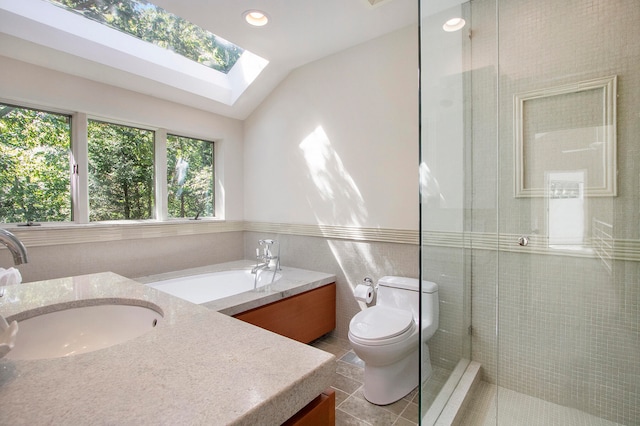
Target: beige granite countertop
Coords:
[[294, 281], [197, 366]]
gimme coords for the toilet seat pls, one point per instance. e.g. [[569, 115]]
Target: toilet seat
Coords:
[[381, 325]]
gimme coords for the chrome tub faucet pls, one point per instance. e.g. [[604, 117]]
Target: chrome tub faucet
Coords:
[[265, 259]]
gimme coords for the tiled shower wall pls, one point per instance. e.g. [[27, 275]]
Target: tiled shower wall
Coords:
[[567, 332], [568, 327], [446, 267]]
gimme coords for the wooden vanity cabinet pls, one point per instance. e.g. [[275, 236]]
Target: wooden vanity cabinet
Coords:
[[319, 412], [303, 317]]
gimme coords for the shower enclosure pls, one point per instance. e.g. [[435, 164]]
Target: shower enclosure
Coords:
[[530, 208]]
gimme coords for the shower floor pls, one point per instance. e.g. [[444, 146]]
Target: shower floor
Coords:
[[517, 409]]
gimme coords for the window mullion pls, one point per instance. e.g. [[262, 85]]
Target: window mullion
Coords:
[[160, 164], [79, 168]]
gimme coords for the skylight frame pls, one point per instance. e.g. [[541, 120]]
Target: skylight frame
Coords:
[[144, 4]]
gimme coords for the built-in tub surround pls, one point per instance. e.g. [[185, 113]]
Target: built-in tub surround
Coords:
[[196, 367], [292, 282], [203, 288]]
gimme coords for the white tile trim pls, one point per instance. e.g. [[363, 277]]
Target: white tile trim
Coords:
[[51, 235]]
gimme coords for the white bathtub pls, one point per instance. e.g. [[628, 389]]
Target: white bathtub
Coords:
[[203, 288]]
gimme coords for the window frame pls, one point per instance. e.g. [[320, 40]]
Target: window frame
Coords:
[[154, 181], [165, 199], [71, 116], [79, 170]]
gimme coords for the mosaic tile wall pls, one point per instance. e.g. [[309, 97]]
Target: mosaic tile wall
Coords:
[[351, 261], [446, 267], [568, 327]]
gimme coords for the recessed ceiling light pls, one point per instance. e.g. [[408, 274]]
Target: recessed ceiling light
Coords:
[[256, 18], [454, 24]]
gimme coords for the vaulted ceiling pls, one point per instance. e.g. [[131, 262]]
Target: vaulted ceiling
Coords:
[[299, 32]]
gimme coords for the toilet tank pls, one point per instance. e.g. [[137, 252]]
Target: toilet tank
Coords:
[[402, 293]]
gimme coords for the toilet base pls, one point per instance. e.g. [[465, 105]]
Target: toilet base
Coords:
[[388, 384]]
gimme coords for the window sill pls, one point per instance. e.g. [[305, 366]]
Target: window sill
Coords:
[[51, 234]]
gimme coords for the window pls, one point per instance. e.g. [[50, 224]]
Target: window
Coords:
[[190, 180], [107, 173], [35, 151], [153, 24], [120, 172]]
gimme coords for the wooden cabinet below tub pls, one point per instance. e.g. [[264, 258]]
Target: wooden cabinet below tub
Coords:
[[303, 317]]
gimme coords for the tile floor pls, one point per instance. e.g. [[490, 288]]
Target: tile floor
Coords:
[[351, 407], [515, 409]]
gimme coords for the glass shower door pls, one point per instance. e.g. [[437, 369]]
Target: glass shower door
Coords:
[[444, 180]]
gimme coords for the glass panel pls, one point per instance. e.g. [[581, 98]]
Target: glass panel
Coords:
[[120, 172], [151, 23], [34, 166], [190, 177], [445, 177]]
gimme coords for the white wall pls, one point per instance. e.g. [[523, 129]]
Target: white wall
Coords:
[[337, 142]]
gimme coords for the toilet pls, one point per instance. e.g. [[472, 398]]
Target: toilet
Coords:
[[385, 337]]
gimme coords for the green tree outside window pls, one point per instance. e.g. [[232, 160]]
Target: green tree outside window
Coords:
[[35, 151], [120, 172], [190, 177]]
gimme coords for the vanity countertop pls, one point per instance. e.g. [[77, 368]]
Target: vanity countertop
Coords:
[[294, 281], [197, 366]]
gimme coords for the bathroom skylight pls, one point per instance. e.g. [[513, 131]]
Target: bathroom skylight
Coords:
[[167, 57], [153, 24]]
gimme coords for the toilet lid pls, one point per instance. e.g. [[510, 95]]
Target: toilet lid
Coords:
[[380, 322]]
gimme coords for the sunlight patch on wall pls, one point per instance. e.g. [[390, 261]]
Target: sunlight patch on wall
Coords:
[[336, 199]]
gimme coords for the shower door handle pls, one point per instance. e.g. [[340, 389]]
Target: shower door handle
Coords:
[[523, 241]]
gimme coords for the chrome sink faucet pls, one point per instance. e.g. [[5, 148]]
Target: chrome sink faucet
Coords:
[[15, 246]]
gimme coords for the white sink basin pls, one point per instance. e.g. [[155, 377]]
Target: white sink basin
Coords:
[[81, 329]]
